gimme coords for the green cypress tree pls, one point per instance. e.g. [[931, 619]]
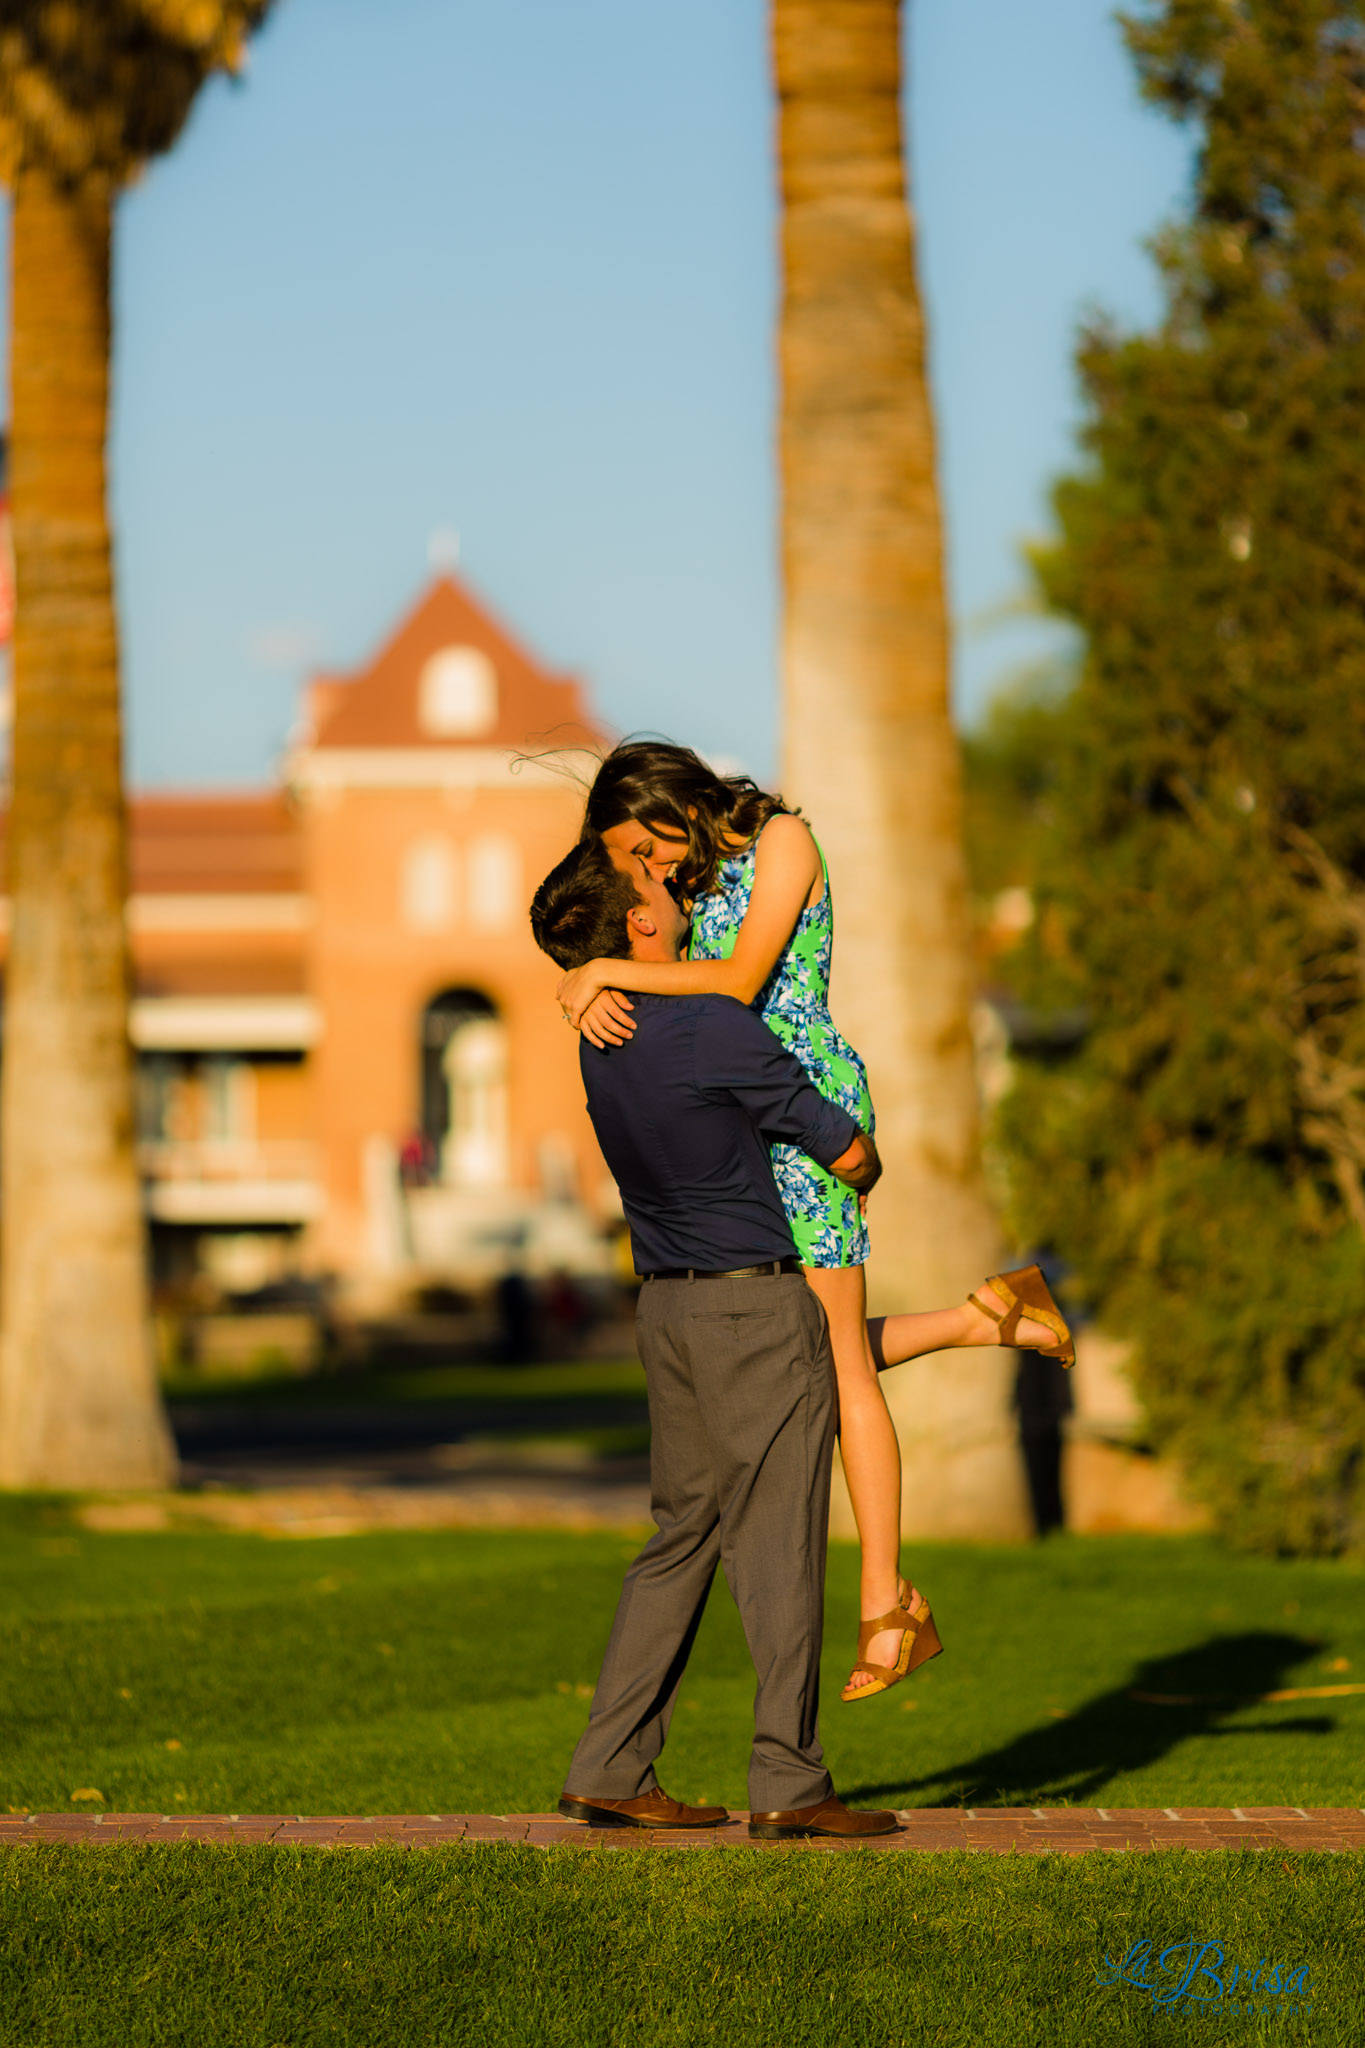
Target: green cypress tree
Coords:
[[1201, 793]]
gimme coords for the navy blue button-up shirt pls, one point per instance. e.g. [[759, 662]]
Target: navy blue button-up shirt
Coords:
[[685, 1111]]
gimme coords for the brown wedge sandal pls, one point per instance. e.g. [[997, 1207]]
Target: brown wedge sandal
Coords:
[[1026, 1296], [919, 1642]]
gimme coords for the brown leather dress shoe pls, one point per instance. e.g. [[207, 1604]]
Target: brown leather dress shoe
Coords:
[[830, 1817], [654, 1810]]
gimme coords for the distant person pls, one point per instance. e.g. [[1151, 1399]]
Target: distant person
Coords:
[[568, 1312], [1042, 1397], [1043, 1400], [516, 1318], [762, 931], [416, 1159], [737, 1363]]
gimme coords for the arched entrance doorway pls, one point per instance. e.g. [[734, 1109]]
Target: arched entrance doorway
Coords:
[[464, 1089]]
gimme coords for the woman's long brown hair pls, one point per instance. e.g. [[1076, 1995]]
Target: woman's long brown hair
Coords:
[[657, 783]]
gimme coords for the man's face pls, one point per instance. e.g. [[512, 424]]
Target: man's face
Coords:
[[658, 903]]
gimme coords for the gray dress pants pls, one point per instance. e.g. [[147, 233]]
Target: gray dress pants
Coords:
[[742, 1412]]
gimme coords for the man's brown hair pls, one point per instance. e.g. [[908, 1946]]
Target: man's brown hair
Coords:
[[579, 911]]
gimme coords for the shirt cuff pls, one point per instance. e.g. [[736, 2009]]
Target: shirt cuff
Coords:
[[834, 1147]]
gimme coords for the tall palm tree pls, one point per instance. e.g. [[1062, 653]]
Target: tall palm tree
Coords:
[[869, 747], [87, 93]]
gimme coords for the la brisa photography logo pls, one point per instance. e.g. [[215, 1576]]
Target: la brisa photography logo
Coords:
[[1196, 1972]]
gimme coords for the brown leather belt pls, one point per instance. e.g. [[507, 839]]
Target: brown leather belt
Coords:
[[770, 1269]]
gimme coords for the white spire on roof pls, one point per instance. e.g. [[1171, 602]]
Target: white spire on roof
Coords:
[[443, 549]]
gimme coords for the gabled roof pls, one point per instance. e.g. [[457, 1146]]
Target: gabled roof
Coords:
[[378, 705]]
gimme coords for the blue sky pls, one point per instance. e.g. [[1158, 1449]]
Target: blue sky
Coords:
[[511, 270]]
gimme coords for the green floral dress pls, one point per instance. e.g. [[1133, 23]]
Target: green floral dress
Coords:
[[794, 1003]]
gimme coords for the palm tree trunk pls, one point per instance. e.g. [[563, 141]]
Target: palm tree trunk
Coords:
[[78, 1397], [870, 750]]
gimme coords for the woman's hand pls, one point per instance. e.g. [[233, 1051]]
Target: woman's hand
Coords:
[[607, 1019], [581, 986], [601, 1013]]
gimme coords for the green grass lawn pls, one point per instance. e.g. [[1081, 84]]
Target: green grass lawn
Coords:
[[449, 1672], [379, 1948], [206, 1672]]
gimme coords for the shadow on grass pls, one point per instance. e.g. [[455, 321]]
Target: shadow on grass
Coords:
[[1075, 1758]]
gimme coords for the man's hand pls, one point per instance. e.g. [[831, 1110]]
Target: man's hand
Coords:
[[860, 1166]]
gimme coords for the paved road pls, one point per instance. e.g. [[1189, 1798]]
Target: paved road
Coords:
[[210, 1428], [445, 1448]]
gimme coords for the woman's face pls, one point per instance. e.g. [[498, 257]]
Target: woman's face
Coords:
[[656, 850]]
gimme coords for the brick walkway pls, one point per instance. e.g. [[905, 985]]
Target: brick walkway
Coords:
[[1031, 1830]]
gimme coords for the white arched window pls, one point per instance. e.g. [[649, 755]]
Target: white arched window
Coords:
[[495, 886], [457, 694], [428, 885]]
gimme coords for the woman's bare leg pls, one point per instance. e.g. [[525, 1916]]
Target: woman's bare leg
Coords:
[[867, 1436], [892, 1340], [867, 1444]]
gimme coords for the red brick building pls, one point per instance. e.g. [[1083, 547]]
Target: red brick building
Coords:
[[350, 1060]]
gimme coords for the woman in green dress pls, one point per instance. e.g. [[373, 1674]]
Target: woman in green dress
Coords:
[[762, 931]]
